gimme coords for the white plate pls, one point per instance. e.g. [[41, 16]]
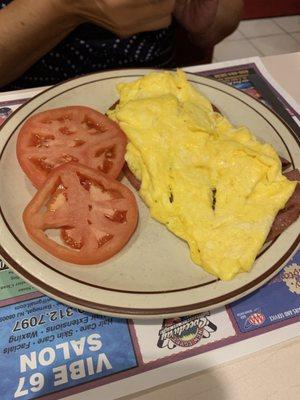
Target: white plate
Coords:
[[153, 275]]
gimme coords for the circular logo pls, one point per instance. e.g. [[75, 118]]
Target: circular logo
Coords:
[[256, 319], [185, 332]]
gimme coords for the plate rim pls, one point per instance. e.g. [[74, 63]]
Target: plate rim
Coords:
[[148, 312]]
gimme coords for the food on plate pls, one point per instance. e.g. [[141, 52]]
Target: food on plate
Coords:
[[76, 133], [285, 164], [288, 215], [94, 215], [80, 213], [290, 212], [212, 184]]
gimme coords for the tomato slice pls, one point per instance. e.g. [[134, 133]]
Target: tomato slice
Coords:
[[76, 133], [95, 216]]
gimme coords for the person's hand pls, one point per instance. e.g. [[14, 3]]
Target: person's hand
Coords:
[[196, 16], [127, 17]]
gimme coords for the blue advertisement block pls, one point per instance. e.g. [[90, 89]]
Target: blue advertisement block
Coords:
[[46, 346], [277, 301]]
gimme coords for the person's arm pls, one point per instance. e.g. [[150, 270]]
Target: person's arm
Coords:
[[30, 28], [208, 21], [227, 19]]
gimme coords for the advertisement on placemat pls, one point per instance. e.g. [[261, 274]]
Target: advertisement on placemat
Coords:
[[8, 107], [46, 346], [163, 338], [11, 285], [249, 79], [4, 113], [277, 301]]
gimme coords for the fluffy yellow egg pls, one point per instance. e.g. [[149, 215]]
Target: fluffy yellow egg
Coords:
[[214, 185]]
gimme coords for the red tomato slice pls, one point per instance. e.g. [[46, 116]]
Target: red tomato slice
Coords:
[[94, 215], [76, 133]]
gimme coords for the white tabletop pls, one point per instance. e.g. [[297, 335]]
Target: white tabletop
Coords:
[[270, 374]]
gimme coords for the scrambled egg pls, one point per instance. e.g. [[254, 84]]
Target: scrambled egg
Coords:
[[214, 185]]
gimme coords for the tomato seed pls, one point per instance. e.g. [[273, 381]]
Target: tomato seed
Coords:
[[98, 127], [38, 140], [68, 157], [118, 216], [78, 142], [65, 131], [71, 242], [104, 239], [85, 183], [42, 164], [64, 118], [106, 166]]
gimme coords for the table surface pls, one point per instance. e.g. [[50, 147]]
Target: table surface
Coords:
[[270, 374]]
